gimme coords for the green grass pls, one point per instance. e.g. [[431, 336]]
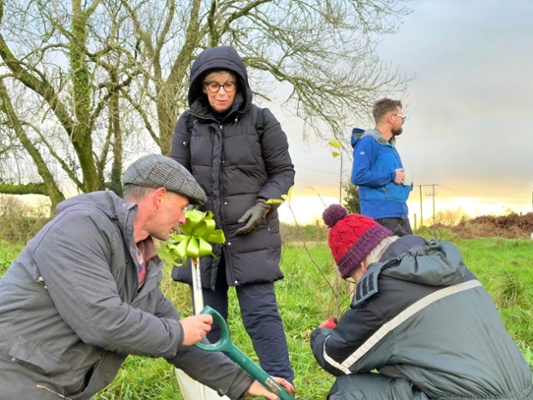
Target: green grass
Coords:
[[504, 268], [311, 291], [7, 253]]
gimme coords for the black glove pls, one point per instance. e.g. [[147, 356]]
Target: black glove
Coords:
[[253, 217]]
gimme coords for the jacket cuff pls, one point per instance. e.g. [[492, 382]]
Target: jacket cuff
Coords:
[[240, 386]]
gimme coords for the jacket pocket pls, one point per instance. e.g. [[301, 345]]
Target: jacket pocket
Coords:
[[378, 193], [32, 356], [397, 193]]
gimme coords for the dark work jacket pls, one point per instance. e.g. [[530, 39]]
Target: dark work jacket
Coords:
[[235, 165], [421, 315]]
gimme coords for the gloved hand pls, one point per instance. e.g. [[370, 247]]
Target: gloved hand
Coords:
[[329, 323], [253, 217]]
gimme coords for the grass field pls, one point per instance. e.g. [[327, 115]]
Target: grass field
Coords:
[[310, 292]]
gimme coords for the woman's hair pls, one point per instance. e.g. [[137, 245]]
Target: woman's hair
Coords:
[[377, 252], [223, 72]]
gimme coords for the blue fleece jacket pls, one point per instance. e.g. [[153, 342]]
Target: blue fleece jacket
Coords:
[[374, 163]]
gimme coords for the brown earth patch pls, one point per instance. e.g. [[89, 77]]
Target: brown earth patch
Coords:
[[511, 226]]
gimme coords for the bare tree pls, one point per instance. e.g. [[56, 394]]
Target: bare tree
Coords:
[[89, 67], [67, 57], [316, 57], [48, 187]]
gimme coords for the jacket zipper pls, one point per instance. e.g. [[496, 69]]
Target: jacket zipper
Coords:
[[222, 211]]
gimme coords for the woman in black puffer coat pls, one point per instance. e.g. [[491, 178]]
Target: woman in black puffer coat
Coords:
[[239, 155]]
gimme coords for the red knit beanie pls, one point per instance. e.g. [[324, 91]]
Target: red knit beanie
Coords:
[[351, 237]]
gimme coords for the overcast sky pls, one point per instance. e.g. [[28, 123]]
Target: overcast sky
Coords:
[[469, 106]]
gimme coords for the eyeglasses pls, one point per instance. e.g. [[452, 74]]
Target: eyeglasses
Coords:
[[403, 117], [214, 87]]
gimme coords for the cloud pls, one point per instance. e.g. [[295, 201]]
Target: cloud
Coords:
[[469, 107]]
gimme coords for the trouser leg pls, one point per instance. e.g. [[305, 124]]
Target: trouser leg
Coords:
[[398, 226], [406, 225], [263, 323], [373, 387]]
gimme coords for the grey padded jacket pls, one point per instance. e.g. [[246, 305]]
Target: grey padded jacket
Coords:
[[71, 310]]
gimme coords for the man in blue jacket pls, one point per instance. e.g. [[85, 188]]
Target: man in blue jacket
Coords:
[[378, 169], [420, 325]]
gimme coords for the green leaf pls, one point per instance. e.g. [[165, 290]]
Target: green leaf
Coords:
[[287, 197], [274, 201], [335, 143]]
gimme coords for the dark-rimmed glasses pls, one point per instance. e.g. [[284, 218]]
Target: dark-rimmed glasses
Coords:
[[214, 87]]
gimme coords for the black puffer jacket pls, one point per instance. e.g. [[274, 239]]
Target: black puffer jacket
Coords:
[[235, 165]]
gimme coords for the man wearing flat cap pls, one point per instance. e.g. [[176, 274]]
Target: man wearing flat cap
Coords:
[[84, 294]]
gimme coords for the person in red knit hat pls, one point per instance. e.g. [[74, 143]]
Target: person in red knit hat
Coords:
[[420, 325]]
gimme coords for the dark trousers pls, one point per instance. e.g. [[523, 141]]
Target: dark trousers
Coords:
[[373, 386], [398, 226], [261, 319]]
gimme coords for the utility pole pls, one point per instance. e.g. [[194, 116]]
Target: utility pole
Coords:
[[433, 205], [421, 216], [433, 185]]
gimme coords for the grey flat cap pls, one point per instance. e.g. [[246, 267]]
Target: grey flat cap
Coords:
[[157, 170]]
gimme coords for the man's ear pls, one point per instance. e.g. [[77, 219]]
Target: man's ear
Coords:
[[157, 197]]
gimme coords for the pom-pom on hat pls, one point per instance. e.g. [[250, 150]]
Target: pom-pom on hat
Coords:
[[351, 237]]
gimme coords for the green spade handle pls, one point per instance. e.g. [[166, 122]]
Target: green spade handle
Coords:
[[226, 346]]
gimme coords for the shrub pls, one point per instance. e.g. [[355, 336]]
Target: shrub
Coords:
[[20, 229], [19, 220]]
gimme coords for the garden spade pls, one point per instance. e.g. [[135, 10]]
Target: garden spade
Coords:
[[226, 346], [191, 389], [193, 242]]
